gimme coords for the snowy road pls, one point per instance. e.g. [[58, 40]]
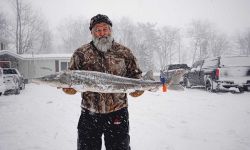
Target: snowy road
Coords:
[[44, 118]]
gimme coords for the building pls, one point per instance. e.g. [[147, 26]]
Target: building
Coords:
[[34, 65]]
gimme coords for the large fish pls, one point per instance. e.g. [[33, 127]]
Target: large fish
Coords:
[[82, 81]]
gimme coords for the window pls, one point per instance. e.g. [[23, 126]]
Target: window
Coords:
[[197, 64], [64, 66], [9, 71], [57, 65], [61, 65], [211, 63], [5, 64]]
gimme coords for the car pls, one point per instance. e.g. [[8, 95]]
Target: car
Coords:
[[15, 72], [168, 70], [220, 73], [175, 66], [11, 84], [2, 85]]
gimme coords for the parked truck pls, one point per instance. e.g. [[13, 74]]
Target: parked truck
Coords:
[[232, 72]]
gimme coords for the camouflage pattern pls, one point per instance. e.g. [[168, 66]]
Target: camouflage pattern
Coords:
[[118, 60]]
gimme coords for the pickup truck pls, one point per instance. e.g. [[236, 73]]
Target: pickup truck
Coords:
[[168, 70], [230, 73]]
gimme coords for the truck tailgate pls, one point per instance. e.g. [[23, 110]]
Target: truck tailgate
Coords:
[[238, 75]]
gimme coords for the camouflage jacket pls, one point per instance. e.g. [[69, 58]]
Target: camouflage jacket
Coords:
[[118, 60]]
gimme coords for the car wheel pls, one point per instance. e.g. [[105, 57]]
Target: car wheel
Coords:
[[17, 91], [209, 85], [241, 89], [187, 83], [22, 86], [246, 88]]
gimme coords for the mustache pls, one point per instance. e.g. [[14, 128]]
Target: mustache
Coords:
[[103, 37]]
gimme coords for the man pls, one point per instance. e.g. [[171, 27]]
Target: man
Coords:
[[104, 113]]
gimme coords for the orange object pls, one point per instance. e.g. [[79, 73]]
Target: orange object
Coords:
[[69, 91], [164, 88]]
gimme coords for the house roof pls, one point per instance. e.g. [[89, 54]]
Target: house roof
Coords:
[[36, 56]]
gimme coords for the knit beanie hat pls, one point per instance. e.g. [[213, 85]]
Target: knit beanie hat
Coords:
[[98, 19]]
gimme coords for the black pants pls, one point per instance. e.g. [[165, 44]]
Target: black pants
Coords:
[[114, 126]]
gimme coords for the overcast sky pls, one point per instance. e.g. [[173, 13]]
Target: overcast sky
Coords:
[[228, 15]]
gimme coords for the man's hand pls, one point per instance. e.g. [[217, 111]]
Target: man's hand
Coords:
[[69, 91], [136, 93]]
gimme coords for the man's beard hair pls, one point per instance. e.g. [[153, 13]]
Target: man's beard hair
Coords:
[[103, 43]]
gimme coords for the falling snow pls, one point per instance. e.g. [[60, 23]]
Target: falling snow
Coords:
[[45, 118]]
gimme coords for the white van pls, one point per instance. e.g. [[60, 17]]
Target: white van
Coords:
[[2, 85]]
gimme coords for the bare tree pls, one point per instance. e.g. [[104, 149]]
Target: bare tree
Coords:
[[199, 32], [218, 44], [4, 31], [46, 42], [169, 45], [207, 41], [29, 28], [244, 42], [147, 43], [18, 28], [124, 32], [73, 33]]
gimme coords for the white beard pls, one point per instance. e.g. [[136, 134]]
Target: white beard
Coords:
[[103, 43]]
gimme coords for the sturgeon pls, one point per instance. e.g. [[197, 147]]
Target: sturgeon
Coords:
[[82, 81]]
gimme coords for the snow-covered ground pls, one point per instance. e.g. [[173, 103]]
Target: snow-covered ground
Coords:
[[44, 118]]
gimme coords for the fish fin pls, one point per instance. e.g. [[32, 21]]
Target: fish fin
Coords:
[[173, 76], [163, 74], [149, 76]]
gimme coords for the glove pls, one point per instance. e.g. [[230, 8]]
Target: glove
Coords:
[[136, 93], [69, 91]]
